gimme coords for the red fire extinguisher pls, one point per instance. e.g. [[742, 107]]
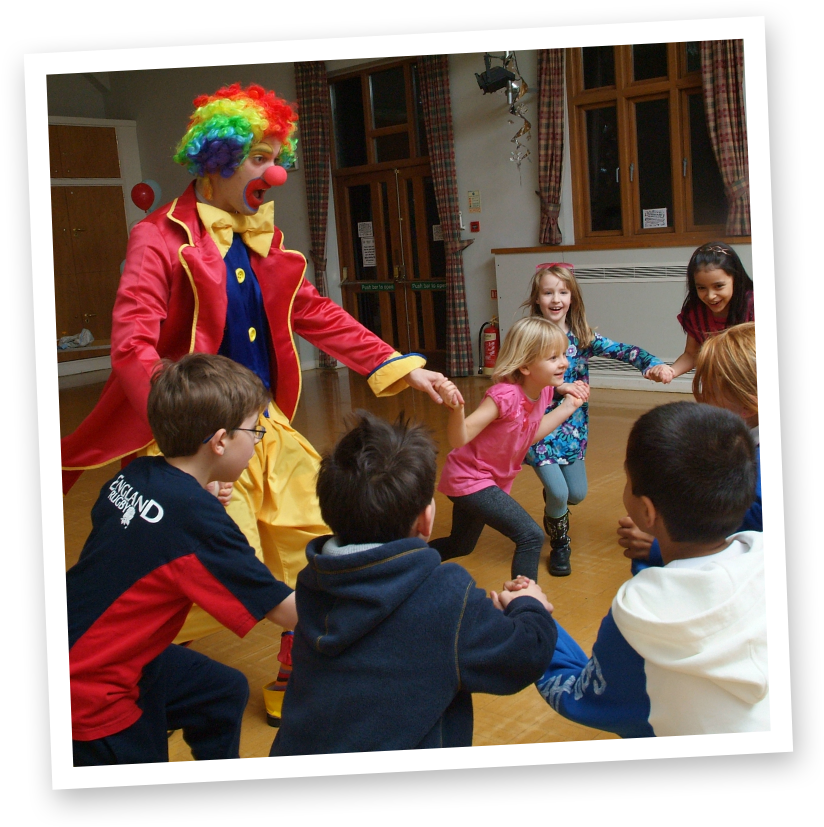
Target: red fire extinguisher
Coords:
[[489, 343]]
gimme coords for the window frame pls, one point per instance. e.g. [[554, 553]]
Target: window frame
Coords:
[[372, 132], [624, 95]]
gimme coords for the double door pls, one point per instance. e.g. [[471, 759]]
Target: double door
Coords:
[[393, 263]]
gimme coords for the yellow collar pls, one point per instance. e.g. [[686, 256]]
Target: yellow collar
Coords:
[[257, 230]]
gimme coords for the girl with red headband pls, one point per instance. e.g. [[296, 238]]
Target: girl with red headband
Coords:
[[558, 459]]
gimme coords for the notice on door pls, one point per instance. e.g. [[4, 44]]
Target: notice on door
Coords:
[[368, 252], [365, 229], [655, 218]]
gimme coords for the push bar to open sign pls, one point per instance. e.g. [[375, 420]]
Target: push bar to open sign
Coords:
[[389, 286]]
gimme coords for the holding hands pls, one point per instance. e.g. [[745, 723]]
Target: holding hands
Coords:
[[573, 402], [449, 394], [222, 490], [660, 373], [578, 389], [636, 543], [519, 587], [430, 382]]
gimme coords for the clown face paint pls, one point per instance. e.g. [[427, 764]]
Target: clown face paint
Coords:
[[243, 192]]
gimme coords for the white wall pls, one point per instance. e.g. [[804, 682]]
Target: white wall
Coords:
[[510, 210]]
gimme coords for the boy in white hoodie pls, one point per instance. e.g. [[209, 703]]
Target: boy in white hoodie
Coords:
[[683, 650]]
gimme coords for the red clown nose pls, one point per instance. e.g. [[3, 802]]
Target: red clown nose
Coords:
[[275, 176]]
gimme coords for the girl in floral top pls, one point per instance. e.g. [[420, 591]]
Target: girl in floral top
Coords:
[[558, 459]]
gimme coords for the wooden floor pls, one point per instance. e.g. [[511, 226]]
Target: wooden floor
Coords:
[[580, 600]]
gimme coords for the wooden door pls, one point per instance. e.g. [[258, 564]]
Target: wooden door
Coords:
[[83, 152], [393, 259], [89, 231], [89, 236]]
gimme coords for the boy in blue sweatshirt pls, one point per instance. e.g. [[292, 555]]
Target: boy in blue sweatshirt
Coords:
[[683, 650], [391, 643]]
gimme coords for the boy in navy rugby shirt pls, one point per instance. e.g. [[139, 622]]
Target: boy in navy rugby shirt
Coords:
[[159, 543]]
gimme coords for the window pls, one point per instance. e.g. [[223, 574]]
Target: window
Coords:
[[642, 163], [377, 117], [390, 246]]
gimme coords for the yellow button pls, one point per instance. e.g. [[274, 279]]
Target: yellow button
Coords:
[[241, 275], [252, 334]]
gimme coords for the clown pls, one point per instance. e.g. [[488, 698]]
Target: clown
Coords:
[[209, 272]]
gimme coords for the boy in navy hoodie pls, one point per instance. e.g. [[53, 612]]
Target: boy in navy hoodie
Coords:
[[391, 643]]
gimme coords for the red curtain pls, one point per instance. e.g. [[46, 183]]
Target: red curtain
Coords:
[[315, 123], [722, 72], [433, 72], [550, 141]]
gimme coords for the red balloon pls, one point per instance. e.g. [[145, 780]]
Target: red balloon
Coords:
[[142, 196]]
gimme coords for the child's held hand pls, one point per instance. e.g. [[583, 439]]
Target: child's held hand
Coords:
[[520, 582], [660, 373], [579, 389], [636, 543], [222, 490], [572, 403], [450, 394], [520, 586]]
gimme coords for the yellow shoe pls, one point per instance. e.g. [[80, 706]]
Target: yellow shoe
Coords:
[[273, 699], [273, 692]]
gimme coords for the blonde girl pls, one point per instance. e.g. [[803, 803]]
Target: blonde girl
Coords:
[[558, 459], [489, 445], [725, 376]]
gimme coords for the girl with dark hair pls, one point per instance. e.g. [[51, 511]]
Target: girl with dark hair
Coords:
[[719, 295]]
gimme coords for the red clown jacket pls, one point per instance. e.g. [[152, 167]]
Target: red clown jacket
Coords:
[[172, 301]]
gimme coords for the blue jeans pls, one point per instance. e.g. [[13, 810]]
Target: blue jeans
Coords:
[[564, 485]]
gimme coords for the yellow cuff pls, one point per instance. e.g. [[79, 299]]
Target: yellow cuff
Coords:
[[388, 379]]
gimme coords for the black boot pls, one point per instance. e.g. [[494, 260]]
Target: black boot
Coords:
[[556, 529]]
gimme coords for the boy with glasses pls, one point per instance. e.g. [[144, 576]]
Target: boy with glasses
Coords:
[[159, 543]]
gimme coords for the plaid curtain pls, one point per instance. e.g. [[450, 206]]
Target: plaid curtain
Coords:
[[722, 72], [433, 72], [550, 141], [315, 139]]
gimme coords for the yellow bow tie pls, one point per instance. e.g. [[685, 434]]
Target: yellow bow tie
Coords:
[[257, 230]]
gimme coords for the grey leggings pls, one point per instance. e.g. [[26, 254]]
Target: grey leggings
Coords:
[[564, 485], [493, 507]]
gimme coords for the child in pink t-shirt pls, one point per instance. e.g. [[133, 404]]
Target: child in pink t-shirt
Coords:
[[490, 444]]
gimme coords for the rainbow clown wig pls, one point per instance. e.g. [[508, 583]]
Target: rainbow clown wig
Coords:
[[225, 126]]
